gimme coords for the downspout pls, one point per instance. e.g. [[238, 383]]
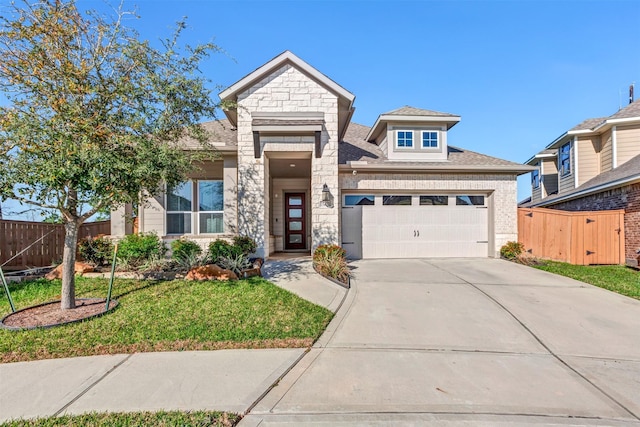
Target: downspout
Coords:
[[543, 188], [575, 155], [614, 149]]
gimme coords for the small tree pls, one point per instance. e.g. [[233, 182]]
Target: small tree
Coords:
[[93, 114]]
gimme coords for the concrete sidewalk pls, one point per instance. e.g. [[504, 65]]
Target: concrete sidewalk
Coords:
[[296, 274], [224, 380]]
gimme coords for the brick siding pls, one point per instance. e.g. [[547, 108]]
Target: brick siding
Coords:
[[627, 198]]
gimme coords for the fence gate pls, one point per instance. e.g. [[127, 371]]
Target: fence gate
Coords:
[[582, 238]]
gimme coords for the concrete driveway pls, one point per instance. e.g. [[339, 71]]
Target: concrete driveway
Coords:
[[466, 341]]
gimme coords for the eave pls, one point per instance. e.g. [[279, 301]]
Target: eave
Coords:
[[444, 168]]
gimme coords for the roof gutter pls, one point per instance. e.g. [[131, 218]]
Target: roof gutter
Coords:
[[612, 122], [587, 191], [519, 169]]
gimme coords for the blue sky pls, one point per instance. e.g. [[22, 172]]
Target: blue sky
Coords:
[[520, 73]]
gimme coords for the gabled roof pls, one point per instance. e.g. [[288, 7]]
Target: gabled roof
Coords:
[[542, 155], [411, 114], [625, 174], [630, 111], [588, 124], [628, 114], [231, 93]]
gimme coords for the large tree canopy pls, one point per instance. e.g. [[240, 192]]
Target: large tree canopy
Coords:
[[93, 114]]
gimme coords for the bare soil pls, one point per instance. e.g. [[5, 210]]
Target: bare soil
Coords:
[[50, 314]]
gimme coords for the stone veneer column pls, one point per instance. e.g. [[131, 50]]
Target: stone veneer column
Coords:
[[287, 90]]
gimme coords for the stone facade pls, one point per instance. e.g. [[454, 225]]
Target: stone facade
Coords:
[[286, 90], [501, 189], [627, 198], [286, 107]]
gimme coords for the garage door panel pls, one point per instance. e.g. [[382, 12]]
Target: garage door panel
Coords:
[[418, 231]]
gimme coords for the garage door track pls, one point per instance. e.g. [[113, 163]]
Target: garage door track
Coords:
[[466, 341]]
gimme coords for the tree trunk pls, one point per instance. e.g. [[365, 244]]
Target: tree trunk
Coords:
[[71, 229]]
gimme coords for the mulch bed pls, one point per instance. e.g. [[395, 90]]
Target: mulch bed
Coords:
[[50, 314]]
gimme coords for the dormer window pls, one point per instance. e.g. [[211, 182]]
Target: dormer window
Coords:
[[430, 139], [404, 139], [565, 159]]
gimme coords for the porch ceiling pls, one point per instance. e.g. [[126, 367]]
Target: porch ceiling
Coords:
[[281, 168]]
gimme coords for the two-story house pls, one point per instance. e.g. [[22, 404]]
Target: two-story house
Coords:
[[594, 166], [294, 172]]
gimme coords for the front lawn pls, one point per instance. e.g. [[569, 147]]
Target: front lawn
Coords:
[[157, 419], [164, 316], [616, 278]]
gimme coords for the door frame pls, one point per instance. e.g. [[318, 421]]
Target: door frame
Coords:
[[303, 219]]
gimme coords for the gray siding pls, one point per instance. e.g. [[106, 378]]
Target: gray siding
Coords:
[[549, 177], [567, 183], [536, 193]]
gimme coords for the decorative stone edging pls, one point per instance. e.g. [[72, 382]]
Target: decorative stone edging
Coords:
[[336, 281]]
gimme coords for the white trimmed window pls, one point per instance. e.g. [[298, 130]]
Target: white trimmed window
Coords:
[[535, 178], [179, 208], [430, 139], [565, 159], [404, 139], [196, 207]]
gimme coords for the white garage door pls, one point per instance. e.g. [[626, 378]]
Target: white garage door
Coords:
[[415, 226]]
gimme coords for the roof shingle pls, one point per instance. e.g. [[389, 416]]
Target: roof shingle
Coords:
[[407, 110], [354, 147]]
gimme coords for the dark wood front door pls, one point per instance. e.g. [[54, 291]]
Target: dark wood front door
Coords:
[[294, 234]]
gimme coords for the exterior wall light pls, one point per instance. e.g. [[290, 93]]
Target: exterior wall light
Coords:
[[326, 195]]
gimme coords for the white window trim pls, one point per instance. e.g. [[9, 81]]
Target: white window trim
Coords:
[[413, 142], [422, 139], [535, 184], [197, 205], [195, 211], [167, 212]]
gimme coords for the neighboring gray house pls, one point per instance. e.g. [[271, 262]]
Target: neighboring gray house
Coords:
[[296, 173], [594, 166]]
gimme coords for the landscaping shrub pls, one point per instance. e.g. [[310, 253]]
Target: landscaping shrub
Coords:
[[331, 251], [235, 263], [222, 249], [331, 261], [138, 249], [184, 249], [97, 251], [246, 244], [512, 250]]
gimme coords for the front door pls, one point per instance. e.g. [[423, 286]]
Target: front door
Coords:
[[295, 234]]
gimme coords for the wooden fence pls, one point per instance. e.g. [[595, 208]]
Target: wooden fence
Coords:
[[17, 235], [582, 238]]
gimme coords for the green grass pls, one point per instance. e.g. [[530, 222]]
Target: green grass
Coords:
[[157, 419], [616, 278], [163, 316]]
